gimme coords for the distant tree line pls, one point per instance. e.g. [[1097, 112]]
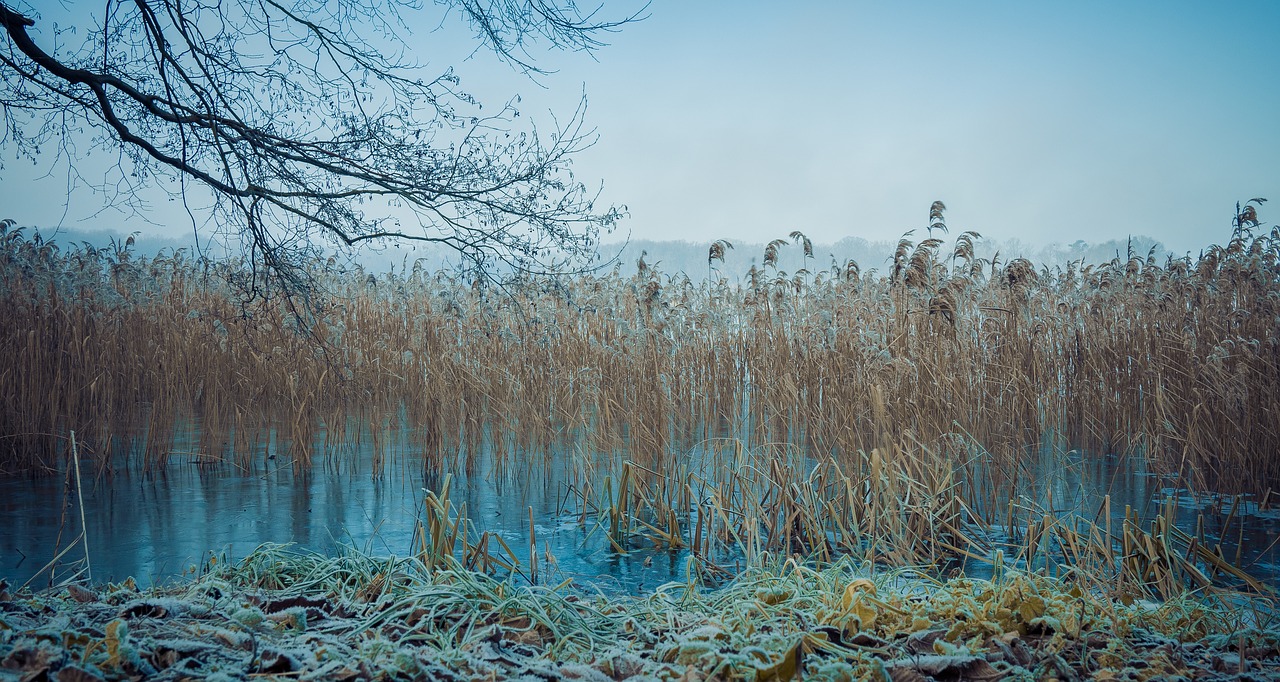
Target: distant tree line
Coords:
[[690, 258]]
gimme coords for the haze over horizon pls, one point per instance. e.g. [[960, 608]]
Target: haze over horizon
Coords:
[[747, 120]]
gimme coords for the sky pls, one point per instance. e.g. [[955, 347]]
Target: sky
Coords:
[[1044, 122]]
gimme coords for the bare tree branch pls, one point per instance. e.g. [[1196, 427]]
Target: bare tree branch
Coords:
[[309, 126]]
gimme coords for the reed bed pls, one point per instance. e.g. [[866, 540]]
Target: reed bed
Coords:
[[839, 412], [1175, 361], [290, 615]]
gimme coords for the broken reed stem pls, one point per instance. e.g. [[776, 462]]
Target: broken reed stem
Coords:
[[84, 528], [533, 550]]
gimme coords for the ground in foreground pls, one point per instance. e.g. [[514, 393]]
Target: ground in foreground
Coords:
[[279, 613]]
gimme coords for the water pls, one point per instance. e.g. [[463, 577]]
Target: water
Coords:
[[1069, 482], [157, 527], [1250, 534]]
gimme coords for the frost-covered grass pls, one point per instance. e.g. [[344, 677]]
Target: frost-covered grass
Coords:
[[303, 616]]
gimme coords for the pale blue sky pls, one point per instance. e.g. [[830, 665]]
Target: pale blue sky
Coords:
[[1048, 122]]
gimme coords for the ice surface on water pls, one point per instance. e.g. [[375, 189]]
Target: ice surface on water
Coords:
[[155, 528]]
